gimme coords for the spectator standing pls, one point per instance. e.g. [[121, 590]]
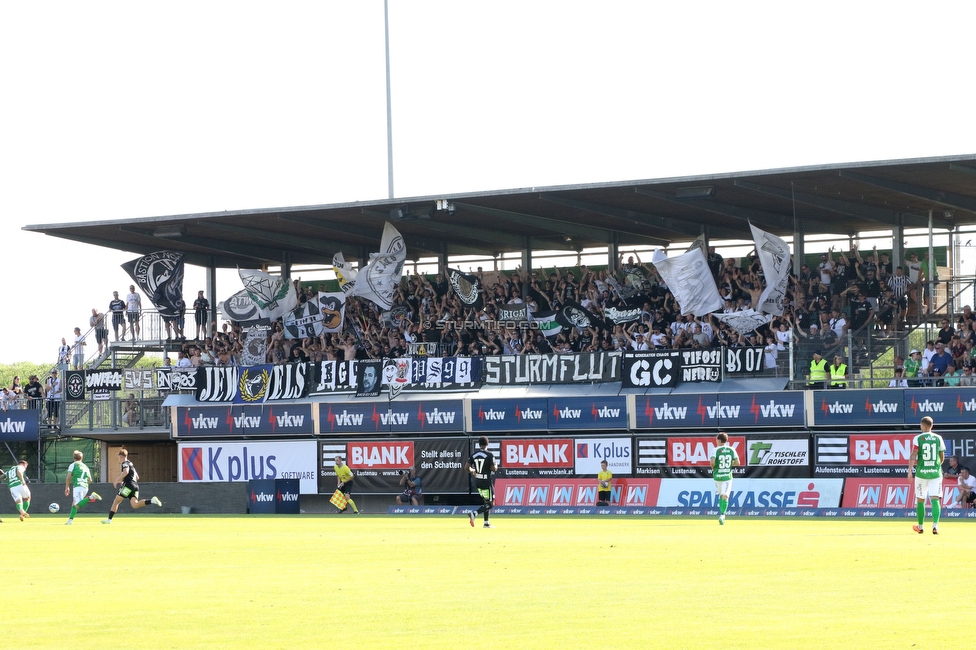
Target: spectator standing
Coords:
[[78, 351], [64, 355], [117, 307], [201, 311], [97, 322], [133, 311], [34, 392], [53, 398], [913, 366], [603, 479], [412, 488], [838, 373]]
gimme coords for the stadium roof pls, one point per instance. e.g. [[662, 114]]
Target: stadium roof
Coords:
[[838, 199]]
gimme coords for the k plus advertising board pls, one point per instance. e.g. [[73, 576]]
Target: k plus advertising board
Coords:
[[618, 452], [232, 462]]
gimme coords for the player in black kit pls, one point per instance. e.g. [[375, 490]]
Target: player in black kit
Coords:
[[482, 463], [129, 481]]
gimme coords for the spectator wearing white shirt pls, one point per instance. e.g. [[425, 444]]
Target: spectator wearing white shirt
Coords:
[[967, 488]]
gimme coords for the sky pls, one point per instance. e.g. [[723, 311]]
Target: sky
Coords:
[[125, 110]]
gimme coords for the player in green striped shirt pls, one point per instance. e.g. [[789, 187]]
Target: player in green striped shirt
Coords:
[[928, 450], [76, 484], [723, 458], [17, 482]]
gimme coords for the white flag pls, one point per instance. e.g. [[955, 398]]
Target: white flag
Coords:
[[345, 274], [379, 280], [744, 321], [690, 281], [273, 295], [774, 256]]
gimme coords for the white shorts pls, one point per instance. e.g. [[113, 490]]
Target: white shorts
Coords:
[[77, 494], [928, 487], [20, 493], [724, 488]]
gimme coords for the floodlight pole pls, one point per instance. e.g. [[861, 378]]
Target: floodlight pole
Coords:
[[389, 108]]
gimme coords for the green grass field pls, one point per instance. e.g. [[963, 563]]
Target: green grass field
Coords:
[[531, 582]]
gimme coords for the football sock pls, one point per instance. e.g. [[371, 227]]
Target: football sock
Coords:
[[111, 513], [480, 510], [351, 502], [26, 505], [723, 505], [936, 511], [74, 511], [146, 502], [920, 510], [81, 504], [20, 507]]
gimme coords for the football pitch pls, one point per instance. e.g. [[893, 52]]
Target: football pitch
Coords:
[[377, 581]]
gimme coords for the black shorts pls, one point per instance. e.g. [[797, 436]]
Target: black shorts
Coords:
[[202, 317], [346, 488], [406, 495], [133, 316], [603, 496], [118, 318], [971, 498], [129, 491], [100, 335]]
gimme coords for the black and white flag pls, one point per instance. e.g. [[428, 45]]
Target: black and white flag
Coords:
[[379, 279], [651, 369], [618, 316], [573, 314], [242, 310], [333, 309], [288, 381], [467, 287], [104, 379], [690, 281], [274, 295], [513, 312], [744, 321], [369, 376], [774, 256], [547, 322], [255, 345], [160, 276]]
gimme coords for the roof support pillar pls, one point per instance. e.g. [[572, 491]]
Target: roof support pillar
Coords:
[[286, 264], [526, 268], [613, 250], [898, 245], [210, 279], [798, 247], [442, 259]]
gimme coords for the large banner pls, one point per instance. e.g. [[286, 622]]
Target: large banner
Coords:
[[651, 369], [760, 494], [760, 456], [19, 425], [379, 464], [725, 410], [552, 368], [160, 275], [239, 421], [252, 384], [753, 493], [863, 454], [110, 379], [525, 414], [858, 407], [366, 418], [234, 462], [701, 365], [944, 405], [744, 361], [408, 374]]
